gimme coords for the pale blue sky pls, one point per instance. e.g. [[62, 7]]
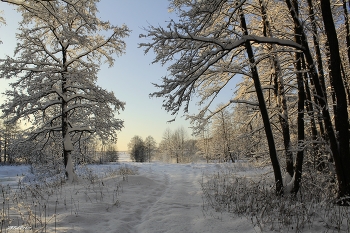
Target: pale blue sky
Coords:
[[131, 77]]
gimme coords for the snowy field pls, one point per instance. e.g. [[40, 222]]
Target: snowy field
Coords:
[[159, 198]]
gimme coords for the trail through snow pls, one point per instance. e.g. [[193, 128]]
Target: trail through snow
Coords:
[[167, 198], [179, 207], [160, 198]]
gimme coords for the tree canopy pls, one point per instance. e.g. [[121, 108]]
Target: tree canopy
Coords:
[[61, 47], [275, 45]]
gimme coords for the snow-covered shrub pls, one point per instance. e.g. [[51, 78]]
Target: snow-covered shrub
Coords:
[[47, 175], [126, 170], [87, 173], [111, 155], [95, 173]]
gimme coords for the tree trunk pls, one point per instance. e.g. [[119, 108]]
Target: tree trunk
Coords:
[[324, 106], [263, 111], [301, 133], [318, 160], [281, 100], [347, 27], [316, 45], [67, 143], [342, 161], [301, 99], [301, 137], [346, 83], [319, 63]]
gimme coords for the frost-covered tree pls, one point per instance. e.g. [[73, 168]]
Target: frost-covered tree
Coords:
[[178, 139], [137, 149], [150, 147], [210, 44], [216, 41], [175, 145], [9, 133], [222, 130], [205, 143], [55, 65], [165, 145], [111, 153]]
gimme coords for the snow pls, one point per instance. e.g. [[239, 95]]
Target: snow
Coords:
[[229, 44], [288, 183], [159, 198], [10, 175]]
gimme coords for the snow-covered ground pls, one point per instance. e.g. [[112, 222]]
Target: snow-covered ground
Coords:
[[10, 175], [159, 198]]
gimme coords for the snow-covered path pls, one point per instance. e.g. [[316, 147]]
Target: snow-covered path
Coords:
[[178, 208], [160, 198], [169, 199]]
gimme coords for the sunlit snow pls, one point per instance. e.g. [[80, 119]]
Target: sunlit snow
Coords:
[[159, 197]]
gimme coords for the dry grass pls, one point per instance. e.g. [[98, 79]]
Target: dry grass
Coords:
[[35, 206], [313, 210]]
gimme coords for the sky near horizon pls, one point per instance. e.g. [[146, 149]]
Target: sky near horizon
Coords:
[[133, 73]]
